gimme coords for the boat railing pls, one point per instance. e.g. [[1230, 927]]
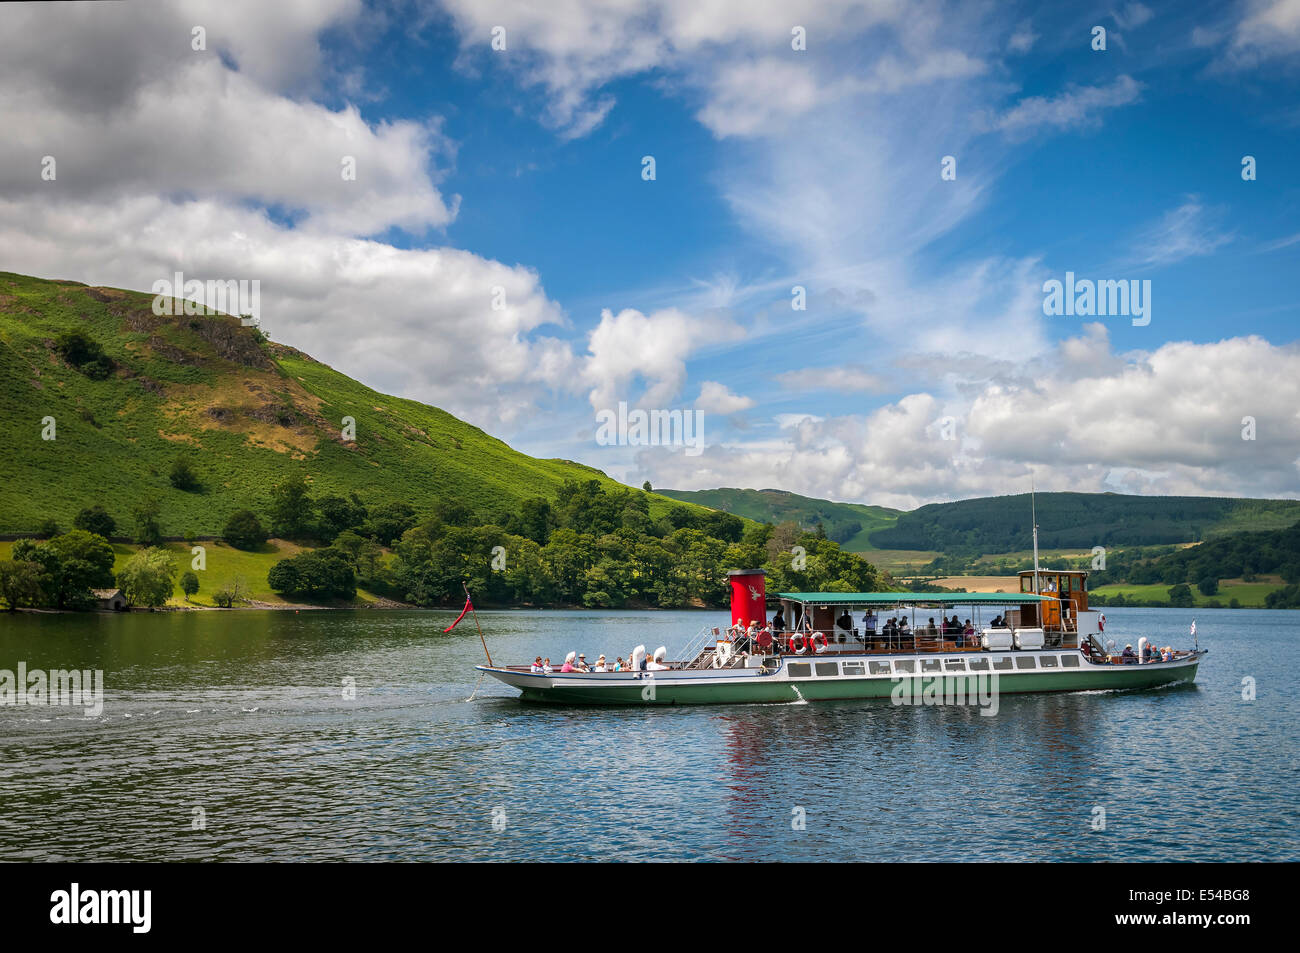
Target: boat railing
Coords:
[[695, 647]]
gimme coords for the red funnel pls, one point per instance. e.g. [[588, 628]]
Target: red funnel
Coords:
[[748, 597]]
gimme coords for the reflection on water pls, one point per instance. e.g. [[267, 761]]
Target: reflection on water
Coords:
[[243, 716]]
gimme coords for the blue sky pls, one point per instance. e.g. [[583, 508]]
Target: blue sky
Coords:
[[923, 368]]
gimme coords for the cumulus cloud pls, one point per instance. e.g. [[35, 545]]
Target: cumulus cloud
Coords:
[[630, 346], [718, 399], [1169, 421]]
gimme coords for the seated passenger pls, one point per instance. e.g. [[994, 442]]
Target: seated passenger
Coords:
[[657, 663], [600, 665], [1128, 655], [778, 622], [546, 667], [582, 665], [997, 623], [537, 664], [1168, 654], [1147, 651], [968, 629], [618, 664], [932, 630], [569, 665]]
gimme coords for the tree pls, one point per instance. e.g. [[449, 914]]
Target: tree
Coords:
[[231, 593], [147, 530], [96, 520], [70, 566], [647, 487], [337, 514], [183, 476], [1180, 596], [244, 531], [388, 521], [48, 529], [148, 578], [189, 583], [1208, 586], [20, 583], [324, 574], [83, 352], [291, 508]]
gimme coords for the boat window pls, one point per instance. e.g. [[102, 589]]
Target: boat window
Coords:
[[1047, 661], [799, 670], [1070, 661], [1025, 661], [853, 668], [979, 665], [879, 668], [1002, 664], [825, 669], [929, 665], [905, 665], [954, 665]]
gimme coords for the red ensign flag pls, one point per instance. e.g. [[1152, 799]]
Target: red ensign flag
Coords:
[[461, 616]]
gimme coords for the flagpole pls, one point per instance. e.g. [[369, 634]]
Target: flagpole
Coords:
[[476, 625]]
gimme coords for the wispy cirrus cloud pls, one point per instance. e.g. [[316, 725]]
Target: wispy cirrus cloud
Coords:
[[1188, 231]]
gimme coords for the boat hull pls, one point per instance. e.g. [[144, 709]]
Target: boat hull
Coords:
[[748, 686]]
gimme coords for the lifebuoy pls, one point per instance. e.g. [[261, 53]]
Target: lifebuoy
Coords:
[[796, 643], [818, 642]]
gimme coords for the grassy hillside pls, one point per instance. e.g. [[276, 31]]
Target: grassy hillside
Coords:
[[1068, 520], [849, 524], [247, 411]]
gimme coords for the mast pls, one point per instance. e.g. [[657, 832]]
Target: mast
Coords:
[[1033, 518]]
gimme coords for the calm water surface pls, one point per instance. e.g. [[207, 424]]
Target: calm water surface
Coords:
[[242, 714]]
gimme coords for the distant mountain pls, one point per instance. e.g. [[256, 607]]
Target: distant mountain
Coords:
[[1002, 524], [849, 524], [132, 391]]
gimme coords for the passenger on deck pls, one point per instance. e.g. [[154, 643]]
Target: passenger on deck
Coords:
[[600, 665], [657, 663], [997, 623], [546, 667], [778, 622], [1128, 655], [569, 665], [537, 664], [582, 664], [869, 623], [845, 621], [931, 630], [1147, 651], [1168, 654], [619, 666]]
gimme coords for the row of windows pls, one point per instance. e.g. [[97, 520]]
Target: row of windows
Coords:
[[1000, 663]]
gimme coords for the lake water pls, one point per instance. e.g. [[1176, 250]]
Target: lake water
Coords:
[[238, 720]]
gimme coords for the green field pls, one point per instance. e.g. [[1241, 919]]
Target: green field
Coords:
[[248, 412], [1248, 594], [224, 565]]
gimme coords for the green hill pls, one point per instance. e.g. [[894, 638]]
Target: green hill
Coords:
[[247, 412], [849, 524], [1079, 520]]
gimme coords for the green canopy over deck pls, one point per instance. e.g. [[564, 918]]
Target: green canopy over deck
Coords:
[[914, 598]]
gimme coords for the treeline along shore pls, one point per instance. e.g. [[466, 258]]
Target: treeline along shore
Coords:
[[592, 546]]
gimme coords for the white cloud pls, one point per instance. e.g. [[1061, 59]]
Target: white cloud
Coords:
[[1271, 28], [1078, 107], [1168, 421], [718, 399], [1185, 232], [653, 348]]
